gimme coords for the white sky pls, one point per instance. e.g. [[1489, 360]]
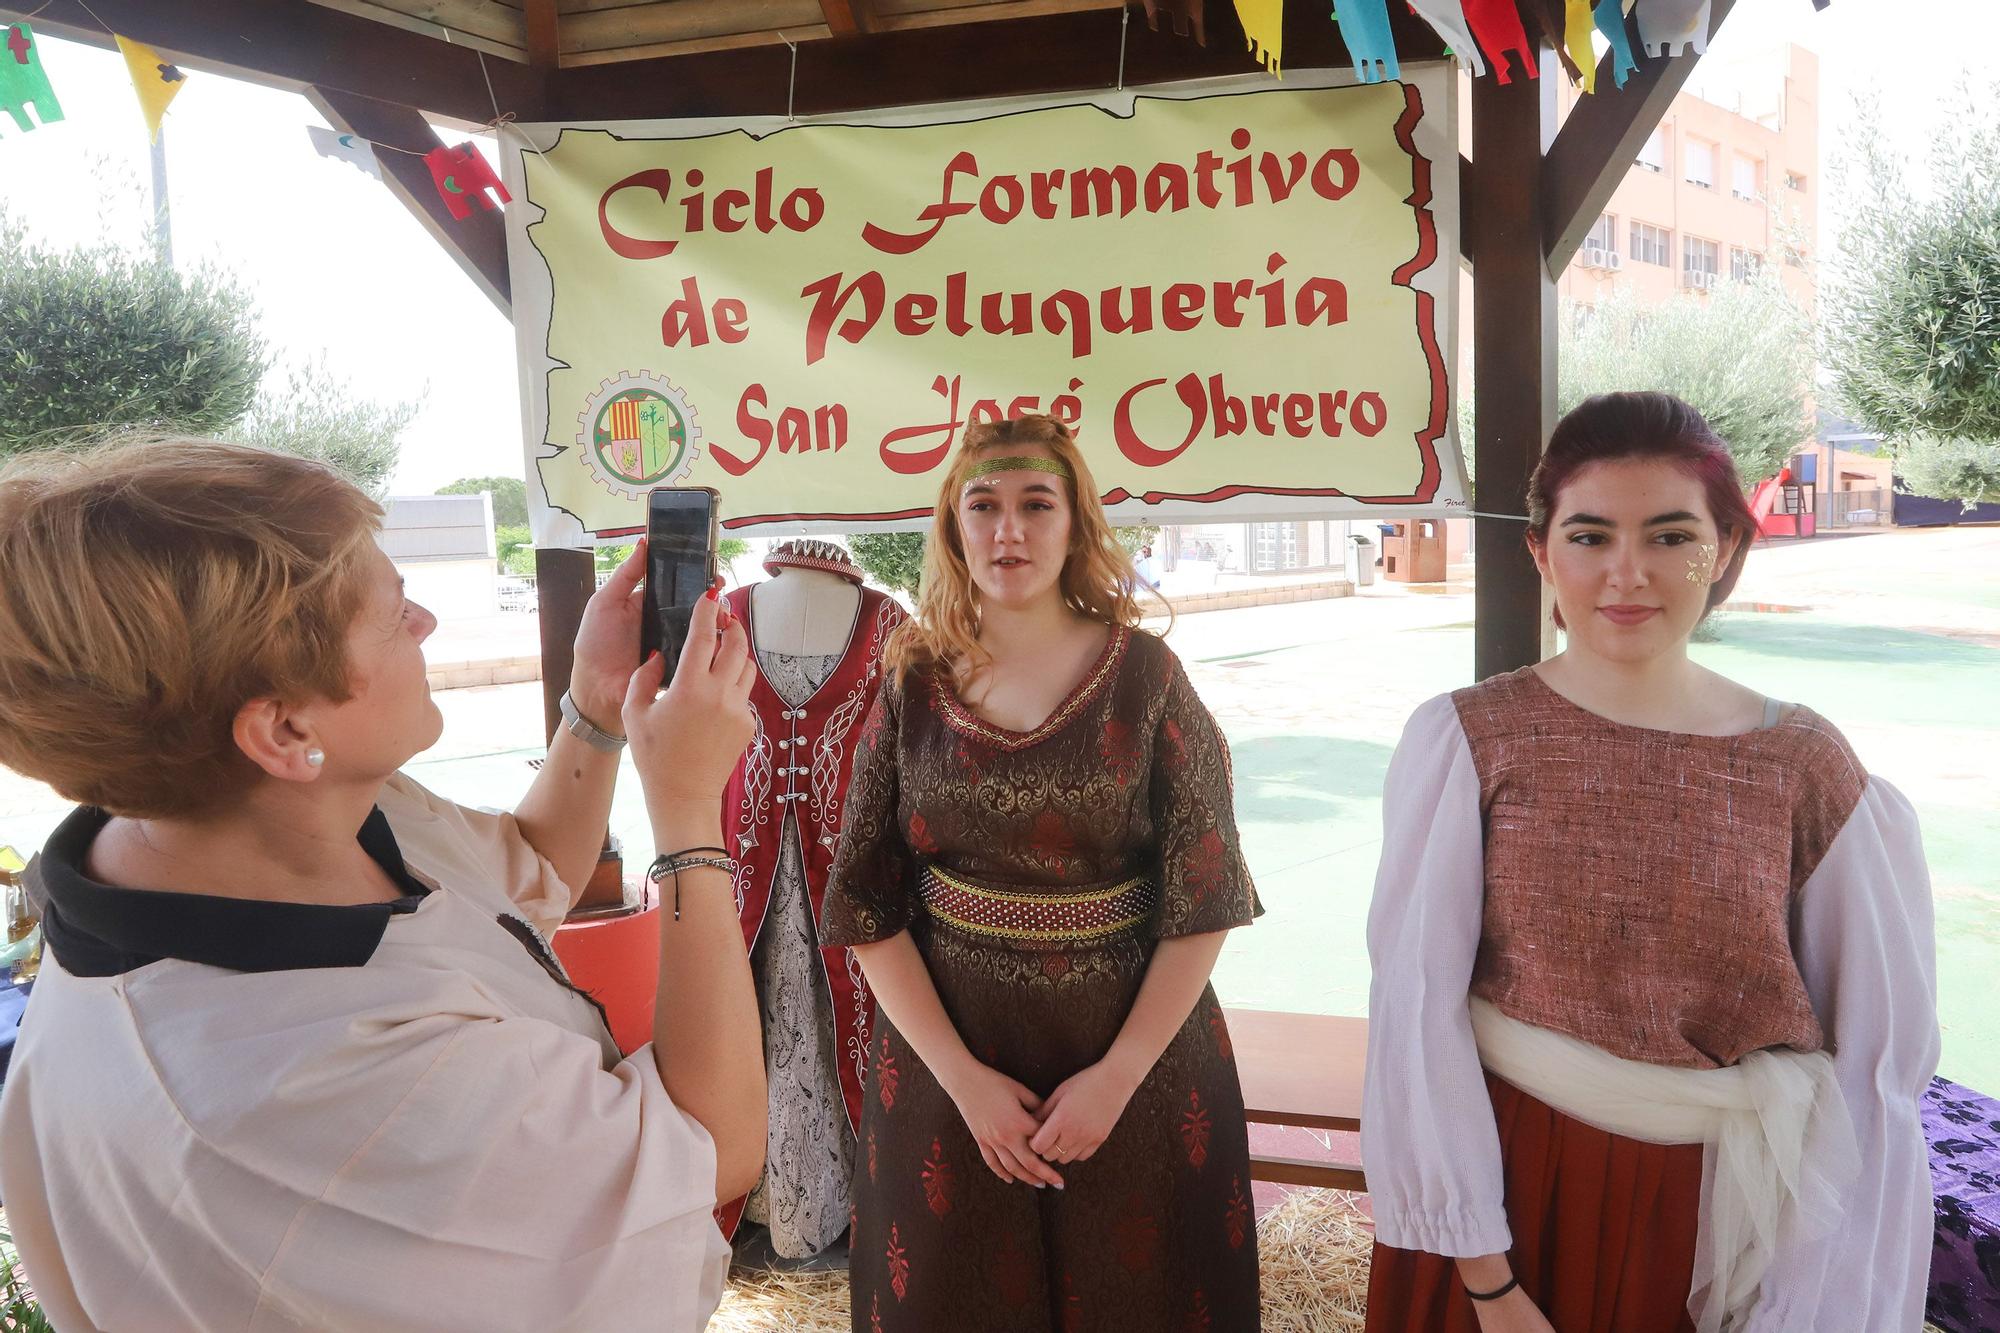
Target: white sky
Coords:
[[340, 268]]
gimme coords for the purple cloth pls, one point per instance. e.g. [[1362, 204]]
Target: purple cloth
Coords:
[[1963, 1127]]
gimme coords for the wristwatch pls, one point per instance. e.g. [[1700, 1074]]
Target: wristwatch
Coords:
[[581, 727]]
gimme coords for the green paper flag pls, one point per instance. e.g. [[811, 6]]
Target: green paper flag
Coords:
[[23, 81]]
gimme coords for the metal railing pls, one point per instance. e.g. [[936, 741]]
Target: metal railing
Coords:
[[1849, 509]]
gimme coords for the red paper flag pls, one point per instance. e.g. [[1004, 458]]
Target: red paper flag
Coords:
[[1497, 25], [462, 175]]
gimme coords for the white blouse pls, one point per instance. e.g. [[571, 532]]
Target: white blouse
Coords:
[[1864, 938], [443, 1138]]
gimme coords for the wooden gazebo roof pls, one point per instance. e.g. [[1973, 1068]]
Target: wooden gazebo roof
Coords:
[[385, 69]]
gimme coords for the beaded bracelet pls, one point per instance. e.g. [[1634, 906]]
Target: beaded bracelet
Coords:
[[672, 863]]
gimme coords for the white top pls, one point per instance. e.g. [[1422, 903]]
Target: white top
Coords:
[[1865, 944], [441, 1138]]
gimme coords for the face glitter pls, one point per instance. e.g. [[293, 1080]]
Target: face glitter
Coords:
[[1698, 570]]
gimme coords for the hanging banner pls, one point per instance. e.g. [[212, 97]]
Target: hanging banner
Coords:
[[1238, 293]]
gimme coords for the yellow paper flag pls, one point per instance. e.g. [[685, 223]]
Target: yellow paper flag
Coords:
[[1577, 27], [155, 79], [1264, 24]]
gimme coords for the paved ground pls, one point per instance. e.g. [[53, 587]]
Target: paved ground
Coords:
[[1898, 643]]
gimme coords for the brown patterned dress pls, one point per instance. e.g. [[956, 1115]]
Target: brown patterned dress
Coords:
[[1036, 871]]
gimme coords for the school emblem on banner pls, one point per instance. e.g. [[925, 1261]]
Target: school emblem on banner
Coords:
[[637, 431]]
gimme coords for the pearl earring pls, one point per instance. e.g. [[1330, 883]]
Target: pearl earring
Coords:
[[315, 757]]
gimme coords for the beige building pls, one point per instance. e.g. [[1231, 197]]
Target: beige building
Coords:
[[1726, 185]]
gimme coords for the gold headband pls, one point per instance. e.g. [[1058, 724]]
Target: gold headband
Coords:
[[1019, 463]]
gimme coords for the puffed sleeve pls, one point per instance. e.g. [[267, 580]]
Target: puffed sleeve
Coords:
[[869, 890], [1204, 884], [1867, 949], [1429, 1144]]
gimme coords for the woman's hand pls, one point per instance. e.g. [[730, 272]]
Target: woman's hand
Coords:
[[607, 642], [1079, 1115], [1512, 1313], [1000, 1114], [686, 741]]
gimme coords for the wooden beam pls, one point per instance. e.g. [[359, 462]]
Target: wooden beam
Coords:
[[845, 18], [478, 243], [296, 45], [1599, 141], [544, 33], [1513, 359]]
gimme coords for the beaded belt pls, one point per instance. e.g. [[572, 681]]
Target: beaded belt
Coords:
[[1038, 920]]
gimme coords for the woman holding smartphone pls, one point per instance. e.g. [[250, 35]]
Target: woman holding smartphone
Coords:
[[1654, 988], [1038, 862], [300, 1055]]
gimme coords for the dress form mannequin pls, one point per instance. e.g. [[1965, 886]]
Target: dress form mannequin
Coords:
[[817, 637], [804, 612]]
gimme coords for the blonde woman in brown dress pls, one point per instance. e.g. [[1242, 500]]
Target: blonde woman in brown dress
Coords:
[[1654, 984], [1038, 862]]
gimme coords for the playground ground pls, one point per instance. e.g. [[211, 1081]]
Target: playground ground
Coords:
[[1894, 636]]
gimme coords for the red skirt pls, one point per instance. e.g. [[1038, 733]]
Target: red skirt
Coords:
[[1604, 1232]]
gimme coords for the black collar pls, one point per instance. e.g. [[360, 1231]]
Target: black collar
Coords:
[[97, 930]]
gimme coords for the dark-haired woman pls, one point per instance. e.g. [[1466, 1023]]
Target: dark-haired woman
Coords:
[[1654, 983]]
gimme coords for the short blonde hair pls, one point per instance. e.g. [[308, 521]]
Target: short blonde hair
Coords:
[[149, 588]]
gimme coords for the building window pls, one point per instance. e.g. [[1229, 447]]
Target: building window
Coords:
[[1653, 157], [1746, 178], [1652, 245], [1744, 264], [1603, 236], [1700, 157], [1698, 263], [1795, 181]]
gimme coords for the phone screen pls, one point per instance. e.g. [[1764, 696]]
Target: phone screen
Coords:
[[680, 564]]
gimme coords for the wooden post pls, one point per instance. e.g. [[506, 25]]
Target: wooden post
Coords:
[[1513, 358], [564, 581]]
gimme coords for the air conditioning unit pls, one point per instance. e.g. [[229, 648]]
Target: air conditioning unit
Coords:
[[1698, 280], [1594, 257], [1613, 260]]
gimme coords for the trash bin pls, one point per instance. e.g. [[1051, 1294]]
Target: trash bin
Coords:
[[1360, 561]]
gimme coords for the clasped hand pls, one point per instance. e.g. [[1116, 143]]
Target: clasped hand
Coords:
[[1020, 1135]]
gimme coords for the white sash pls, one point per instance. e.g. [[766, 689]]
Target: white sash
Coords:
[[1780, 1147]]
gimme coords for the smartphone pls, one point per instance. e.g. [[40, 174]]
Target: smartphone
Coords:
[[680, 565]]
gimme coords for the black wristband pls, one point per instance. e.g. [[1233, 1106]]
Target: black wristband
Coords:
[[1496, 1293]]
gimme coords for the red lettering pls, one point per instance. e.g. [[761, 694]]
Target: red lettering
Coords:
[[1323, 182], [753, 426], [1002, 199], [732, 318], [1298, 415], [727, 201], [661, 182], [829, 299], [915, 312], [1369, 414], [1127, 438], [1330, 408], [912, 463], [937, 214], [1180, 306], [1282, 179]]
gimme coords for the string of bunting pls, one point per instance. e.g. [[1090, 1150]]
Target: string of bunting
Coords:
[[462, 176]]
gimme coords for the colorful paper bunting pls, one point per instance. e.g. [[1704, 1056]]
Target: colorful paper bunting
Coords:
[[462, 175], [155, 80], [1264, 25], [1448, 18], [1364, 26], [23, 81], [351, 149], [1497, 26], [1610, 19], [1670, 27]]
